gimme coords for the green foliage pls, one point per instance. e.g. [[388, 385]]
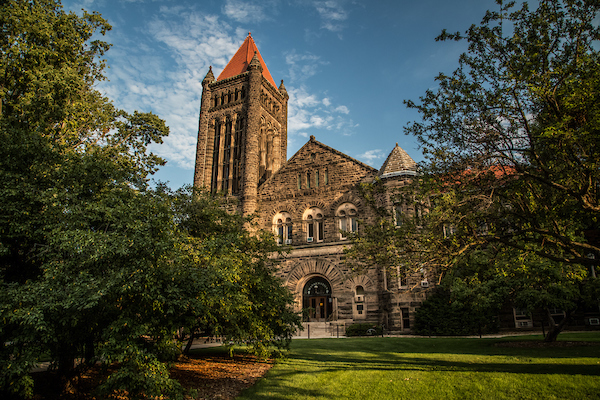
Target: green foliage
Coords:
[[242, 298], [96, 265], [510, 182], [447, 313], [511, 136], [365, 329]]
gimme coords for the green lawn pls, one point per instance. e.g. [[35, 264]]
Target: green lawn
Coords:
[[432, 368]]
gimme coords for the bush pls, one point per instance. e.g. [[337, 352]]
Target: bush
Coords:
[[364, 330], [440, 314]]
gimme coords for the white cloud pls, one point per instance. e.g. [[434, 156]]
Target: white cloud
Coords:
[[370, 156], [308, 111], [342, 109], [302, 66], [332, 14], [168, 82], [244, 11]]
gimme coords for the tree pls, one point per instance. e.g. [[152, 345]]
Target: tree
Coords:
[[241, 298], [512, 160], [95, 264], [512, 134], [512, 144], [84, 242]]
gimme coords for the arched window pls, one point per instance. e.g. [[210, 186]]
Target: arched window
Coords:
[[282, 228], [346, 215], [313, 218]]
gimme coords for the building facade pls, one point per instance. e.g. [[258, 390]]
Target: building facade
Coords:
[[308, 202]]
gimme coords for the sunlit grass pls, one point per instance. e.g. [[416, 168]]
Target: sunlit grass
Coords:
[[436, 368]]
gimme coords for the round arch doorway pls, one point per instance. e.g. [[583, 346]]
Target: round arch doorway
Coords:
[[316, 298]]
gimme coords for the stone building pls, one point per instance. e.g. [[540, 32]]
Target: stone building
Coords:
[[308, 201]]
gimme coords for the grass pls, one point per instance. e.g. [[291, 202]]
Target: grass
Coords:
[[433, 368]]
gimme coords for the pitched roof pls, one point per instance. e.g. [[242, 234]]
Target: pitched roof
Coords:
[[240, 60], [304, 148], [397, 163]]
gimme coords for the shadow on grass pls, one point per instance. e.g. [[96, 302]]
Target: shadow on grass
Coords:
[[464, 355]]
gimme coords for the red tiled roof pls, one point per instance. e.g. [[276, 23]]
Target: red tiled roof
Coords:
[[239, 62]]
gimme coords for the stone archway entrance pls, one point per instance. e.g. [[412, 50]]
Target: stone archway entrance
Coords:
[[316, 298]]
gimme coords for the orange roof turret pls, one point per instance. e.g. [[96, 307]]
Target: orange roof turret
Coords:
[[239, 62]]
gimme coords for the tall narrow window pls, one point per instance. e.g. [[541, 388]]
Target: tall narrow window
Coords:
[[397, 215], [346, 215], [308, 180], [313, 219], [216, 150], [282, 228], [402, 281], [226, 155], [405, 318], [237, 151], [317, 179]]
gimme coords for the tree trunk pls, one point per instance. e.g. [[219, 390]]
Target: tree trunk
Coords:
[[90, 352], [66, 362], [188, 345], [554, 328]]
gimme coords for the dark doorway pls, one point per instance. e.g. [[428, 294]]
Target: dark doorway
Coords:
[[317, 300]]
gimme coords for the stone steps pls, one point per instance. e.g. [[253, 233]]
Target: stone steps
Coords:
[[314, 330]]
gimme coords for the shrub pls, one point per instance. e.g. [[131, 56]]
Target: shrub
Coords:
[[364, 330]]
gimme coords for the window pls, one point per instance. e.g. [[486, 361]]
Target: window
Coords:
[[402, 281], [317, 179], [326, 177], [346, 215], [313, 218], [283, 228], [397, 211], [405, 318], [418, 214], [308, 180], [449, 230]]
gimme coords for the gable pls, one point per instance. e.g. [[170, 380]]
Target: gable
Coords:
[[324, 167]]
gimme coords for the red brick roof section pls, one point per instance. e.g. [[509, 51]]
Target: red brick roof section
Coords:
[[239, 62]]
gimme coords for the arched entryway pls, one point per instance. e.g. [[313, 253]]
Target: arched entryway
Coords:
[[316, 299]]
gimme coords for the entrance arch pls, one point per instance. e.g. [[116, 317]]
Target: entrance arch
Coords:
[[316, 297]]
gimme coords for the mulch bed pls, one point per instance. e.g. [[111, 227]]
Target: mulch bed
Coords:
[[210, 377], [219, 377]]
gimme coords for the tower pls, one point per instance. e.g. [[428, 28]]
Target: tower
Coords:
[[242, 133]]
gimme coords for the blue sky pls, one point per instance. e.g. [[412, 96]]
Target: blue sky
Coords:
[[347, 64]]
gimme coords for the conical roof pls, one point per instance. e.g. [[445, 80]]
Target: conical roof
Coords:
[[240, 60], [398, 163]]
